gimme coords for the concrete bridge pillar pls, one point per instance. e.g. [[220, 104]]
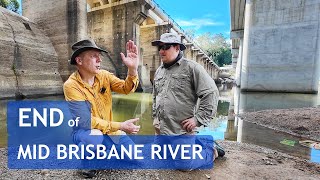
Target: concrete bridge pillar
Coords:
[[150, 54], [199, 58], [235, 55], [212, 72], [211, 69], [216, 73], [188, 53], [239, 64], [203, 60], [207, 64], [64, 22], [281, 46], [114, 24], [195, 54]]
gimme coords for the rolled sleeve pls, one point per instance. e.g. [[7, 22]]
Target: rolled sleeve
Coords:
[[126, 86], [104, 126], [208, 94], [207, 108]]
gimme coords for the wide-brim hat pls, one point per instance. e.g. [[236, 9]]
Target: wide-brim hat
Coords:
[[169, 38], [81, 46]]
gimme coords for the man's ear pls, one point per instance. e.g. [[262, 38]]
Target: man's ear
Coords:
[[78, 60], [177, 47]]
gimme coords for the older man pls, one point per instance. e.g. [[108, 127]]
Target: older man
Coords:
[[93, 85]]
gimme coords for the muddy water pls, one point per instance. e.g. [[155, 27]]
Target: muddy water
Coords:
[[247, 132]]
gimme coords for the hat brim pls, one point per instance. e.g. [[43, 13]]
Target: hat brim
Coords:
[[79, 51], [157, 42]]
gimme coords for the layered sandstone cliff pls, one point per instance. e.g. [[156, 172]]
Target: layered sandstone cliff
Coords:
[[29, 62]]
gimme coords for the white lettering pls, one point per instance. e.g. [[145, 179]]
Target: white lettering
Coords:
[[113, 152], [88, 149], [52, 123], [127, 152], [198, 152], [61, 149], [138, 151], [155, 150], [185, 151], [42, 117], [28, 153], [101, 149], [22, 116], [41, 150], [73, 151], [24, 153], [175, 152]]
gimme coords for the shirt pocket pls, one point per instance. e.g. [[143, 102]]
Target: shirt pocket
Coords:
[[106, 95], [180, 82], [159, 84]]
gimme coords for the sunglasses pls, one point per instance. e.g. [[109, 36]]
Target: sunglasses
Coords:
[[165, 47]]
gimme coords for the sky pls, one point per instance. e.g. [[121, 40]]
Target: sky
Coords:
[[202, 15]]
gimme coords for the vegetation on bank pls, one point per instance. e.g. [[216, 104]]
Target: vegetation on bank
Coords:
[[217, 47], [12, 5]]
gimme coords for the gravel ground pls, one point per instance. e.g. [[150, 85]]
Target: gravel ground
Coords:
[[303, 122]]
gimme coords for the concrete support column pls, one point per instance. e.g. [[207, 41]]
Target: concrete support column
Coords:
[[198, 59], [150, 54], [239, 64], [216, 74], [202, 62], [281, 46], [244, 61], [188, 53], [235, 55]]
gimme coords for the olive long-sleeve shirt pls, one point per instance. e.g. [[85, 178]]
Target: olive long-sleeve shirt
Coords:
[[99, 96], [175, 93]]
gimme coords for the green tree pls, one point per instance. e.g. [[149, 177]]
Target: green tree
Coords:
[[217, 47], [4, 3], [12, 5]]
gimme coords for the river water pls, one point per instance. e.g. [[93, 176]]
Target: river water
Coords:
[[224, 126]]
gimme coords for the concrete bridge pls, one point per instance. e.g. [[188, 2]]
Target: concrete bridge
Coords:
[[111, 23], [276, 44]]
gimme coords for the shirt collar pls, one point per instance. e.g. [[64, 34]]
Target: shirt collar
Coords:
[[178, 62], [77, 77]]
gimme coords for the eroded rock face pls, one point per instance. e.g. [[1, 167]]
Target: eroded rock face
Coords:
[[29, 62]]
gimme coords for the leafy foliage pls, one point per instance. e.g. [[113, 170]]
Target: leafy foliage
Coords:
[[217, 47], [4, 3], [12, 5]]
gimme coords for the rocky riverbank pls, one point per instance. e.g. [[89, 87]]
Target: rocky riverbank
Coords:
[[303, 122]]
